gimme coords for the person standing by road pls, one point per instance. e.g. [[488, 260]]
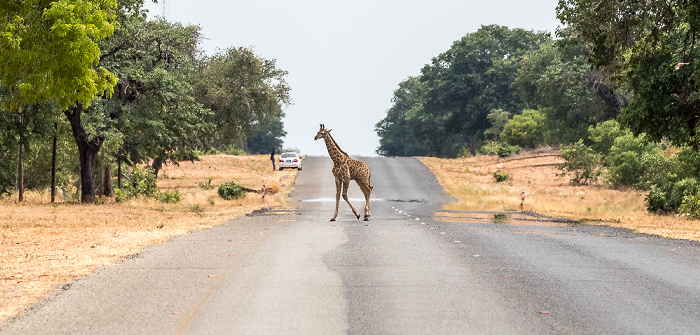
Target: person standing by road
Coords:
[[272, 158]]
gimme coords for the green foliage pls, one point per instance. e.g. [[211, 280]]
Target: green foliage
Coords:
[[50, 51], [604, 134], [671, 179], [505, 150], [494, 148], [690, 207], [624, 160], [206, 185], [172, 197], [500, 176], [498, 119], [141, 182], [668, 196], [248, 104], [649, 48], [525, 130], [235, 151], [230, 191], [557, 79], [445, 109], [580, 162]]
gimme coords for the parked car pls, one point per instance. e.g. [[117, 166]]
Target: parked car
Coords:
[[290, 160]]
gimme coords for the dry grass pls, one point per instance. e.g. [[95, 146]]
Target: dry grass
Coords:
[[470, 180], [44, 245]]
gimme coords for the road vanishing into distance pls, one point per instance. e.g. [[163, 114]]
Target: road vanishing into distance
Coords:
[[413, 269]]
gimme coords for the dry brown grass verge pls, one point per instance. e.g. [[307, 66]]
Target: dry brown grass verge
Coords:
[[470, 180], [44, 245]]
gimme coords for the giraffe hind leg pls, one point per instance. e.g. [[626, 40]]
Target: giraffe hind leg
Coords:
[[367, 191], [346, 184], [338, 187]]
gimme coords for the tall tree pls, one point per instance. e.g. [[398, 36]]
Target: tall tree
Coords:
[[243, 90], [475, 76], [652, 49], [49, 50]]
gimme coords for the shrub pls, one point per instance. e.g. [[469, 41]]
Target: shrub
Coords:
[[500, 176], [668, 196], [141, 182], [581, 162], [206, 185], [624, 160], [508, 150], [690, 207], [230, 191], [604, 134], [525, 130], [500, 149], [171, 197]]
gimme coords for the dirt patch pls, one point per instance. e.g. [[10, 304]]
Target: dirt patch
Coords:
[[43, 245], [471, 181]]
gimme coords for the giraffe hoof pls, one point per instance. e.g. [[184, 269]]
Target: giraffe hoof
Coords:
[[358, 216], [333, 219]]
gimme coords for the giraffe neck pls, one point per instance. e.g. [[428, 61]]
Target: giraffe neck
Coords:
[[337, 155]]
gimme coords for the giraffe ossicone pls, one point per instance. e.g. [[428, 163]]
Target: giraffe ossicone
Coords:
[[344, 170]]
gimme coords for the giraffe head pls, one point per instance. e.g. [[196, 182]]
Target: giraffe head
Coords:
[[322, 132]]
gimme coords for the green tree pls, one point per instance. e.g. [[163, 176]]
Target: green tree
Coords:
[[49, 50], [526, 130], [603, 135], [581, 162], [407, 130], [267, 136], [650, 48], [475, 76], [243, 90], [559, 81]]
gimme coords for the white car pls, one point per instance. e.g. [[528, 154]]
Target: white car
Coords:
[[290, 160]]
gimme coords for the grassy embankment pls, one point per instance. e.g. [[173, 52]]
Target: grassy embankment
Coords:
[[470, 180], [44, 245]]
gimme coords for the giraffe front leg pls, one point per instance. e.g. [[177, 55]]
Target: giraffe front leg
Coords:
[[346, 184], [337, 197]]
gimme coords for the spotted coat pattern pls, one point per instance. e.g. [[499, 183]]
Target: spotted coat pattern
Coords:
[[344, 170]]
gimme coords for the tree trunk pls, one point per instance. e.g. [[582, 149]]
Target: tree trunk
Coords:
[[119, 173], [20, 161], [101, 187], [107, 182], [88, 147], [53, 164]]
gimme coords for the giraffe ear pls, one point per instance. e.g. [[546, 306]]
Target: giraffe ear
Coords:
[[329, 130]]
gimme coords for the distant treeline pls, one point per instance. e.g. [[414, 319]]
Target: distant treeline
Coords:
[[617, 89]]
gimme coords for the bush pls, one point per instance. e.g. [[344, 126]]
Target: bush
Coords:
[[500, 176], [581, 162], [624, 160], [525, 130], [502, 150], [141, 182], [690, 207], [604, 134], [206, 185], [668, 196], [230, 191], [508, 150], [171, 197]]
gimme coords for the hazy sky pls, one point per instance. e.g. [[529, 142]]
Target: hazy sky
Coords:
[[346, 58]]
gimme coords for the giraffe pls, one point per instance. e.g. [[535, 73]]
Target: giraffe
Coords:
[[346, 169]]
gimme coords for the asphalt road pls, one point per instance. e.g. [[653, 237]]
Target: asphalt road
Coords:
[[403, 272]]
